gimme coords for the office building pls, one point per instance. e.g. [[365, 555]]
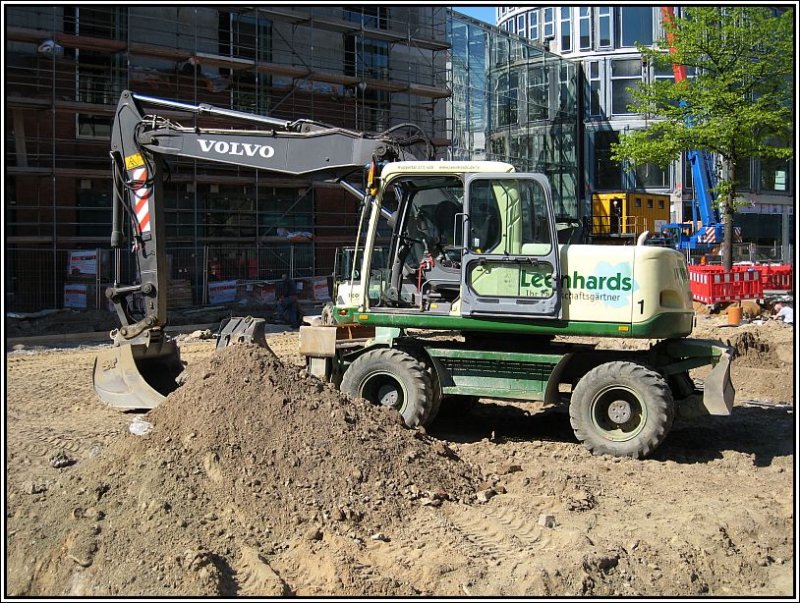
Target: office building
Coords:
[[601, 40], [364, 68]]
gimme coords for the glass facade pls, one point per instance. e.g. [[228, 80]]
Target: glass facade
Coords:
[[601, 41], [513, 101]]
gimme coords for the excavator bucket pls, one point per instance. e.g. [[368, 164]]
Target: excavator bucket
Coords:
[[718, 392], [242, 330], [137, 376]]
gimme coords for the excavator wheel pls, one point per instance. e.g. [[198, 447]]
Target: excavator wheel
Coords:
[[622, 409], [436, 390], [393, 378]]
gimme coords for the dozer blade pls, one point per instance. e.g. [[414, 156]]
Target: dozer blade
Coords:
[[718, 392], [242, 330], [136, 376]]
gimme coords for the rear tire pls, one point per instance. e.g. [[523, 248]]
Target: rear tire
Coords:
[[622, 409], [393, 378]]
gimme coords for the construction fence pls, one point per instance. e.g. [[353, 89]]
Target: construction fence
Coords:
[[37, 279], [711, 284], [745, 252]]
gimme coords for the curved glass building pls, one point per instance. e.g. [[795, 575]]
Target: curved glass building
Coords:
[[514, 101]]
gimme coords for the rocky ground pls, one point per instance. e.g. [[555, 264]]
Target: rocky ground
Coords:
[[254, 478]]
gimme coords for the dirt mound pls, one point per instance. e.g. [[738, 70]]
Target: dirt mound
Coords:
[[249, 458], [767, 345]]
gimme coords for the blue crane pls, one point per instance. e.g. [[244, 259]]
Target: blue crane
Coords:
[[709, 232]]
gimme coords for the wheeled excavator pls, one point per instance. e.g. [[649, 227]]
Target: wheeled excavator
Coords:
[[459, 285]]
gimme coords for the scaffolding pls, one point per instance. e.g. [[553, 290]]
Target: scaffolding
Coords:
[[477, 92], [364, 68]]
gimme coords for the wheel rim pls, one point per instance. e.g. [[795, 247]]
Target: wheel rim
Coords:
[[618, 413], [388, 395], [384, 389]]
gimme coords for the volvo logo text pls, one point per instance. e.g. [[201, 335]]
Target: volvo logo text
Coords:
[[244, 149]]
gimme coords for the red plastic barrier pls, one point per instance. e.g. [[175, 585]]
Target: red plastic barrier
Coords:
[[712, 285], [776, 278]]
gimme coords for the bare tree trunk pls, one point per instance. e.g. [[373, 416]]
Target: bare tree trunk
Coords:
[[727, 240], [726, 211]]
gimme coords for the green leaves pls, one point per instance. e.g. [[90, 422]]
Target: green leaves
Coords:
[[739, 103]]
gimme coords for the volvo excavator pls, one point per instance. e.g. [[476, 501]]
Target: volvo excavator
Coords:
[[460, 285]]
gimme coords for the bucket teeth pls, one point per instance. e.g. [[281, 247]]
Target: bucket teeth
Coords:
[[242, 330]]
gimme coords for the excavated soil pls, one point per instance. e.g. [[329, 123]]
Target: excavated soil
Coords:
[[255, 478]]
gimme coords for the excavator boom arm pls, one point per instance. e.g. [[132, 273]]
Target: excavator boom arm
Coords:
[[139, 140], [141, 367]]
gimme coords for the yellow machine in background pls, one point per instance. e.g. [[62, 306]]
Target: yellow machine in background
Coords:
[[622, 216]]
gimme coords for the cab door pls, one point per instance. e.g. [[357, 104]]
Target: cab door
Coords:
[[510, 263]]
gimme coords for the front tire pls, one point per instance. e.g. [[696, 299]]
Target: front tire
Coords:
[[393, 378], [622, 409]]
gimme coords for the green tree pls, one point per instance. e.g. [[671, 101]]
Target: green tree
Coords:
[[738, 105]]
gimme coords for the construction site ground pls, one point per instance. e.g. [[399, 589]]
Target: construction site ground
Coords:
[[255, 478]]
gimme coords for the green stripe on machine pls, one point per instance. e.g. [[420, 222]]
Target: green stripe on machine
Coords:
[[662, 326]]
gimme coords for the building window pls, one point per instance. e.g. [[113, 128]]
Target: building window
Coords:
[[566, 30], [651, 176], [607, 172], [533, 25], [366, 57], [688, 176], [376, 17], [566, 87], [604, 27], [585, 30], [108, 22], [625, 74], [537, 93], [549, 32], [774, 176], [663, 74], [100, 76], [635, 25], [507, 102], [373, 111], [247, 37], [512, 26], [744, 179], [521, 25], [93, 126], [594, 103]]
